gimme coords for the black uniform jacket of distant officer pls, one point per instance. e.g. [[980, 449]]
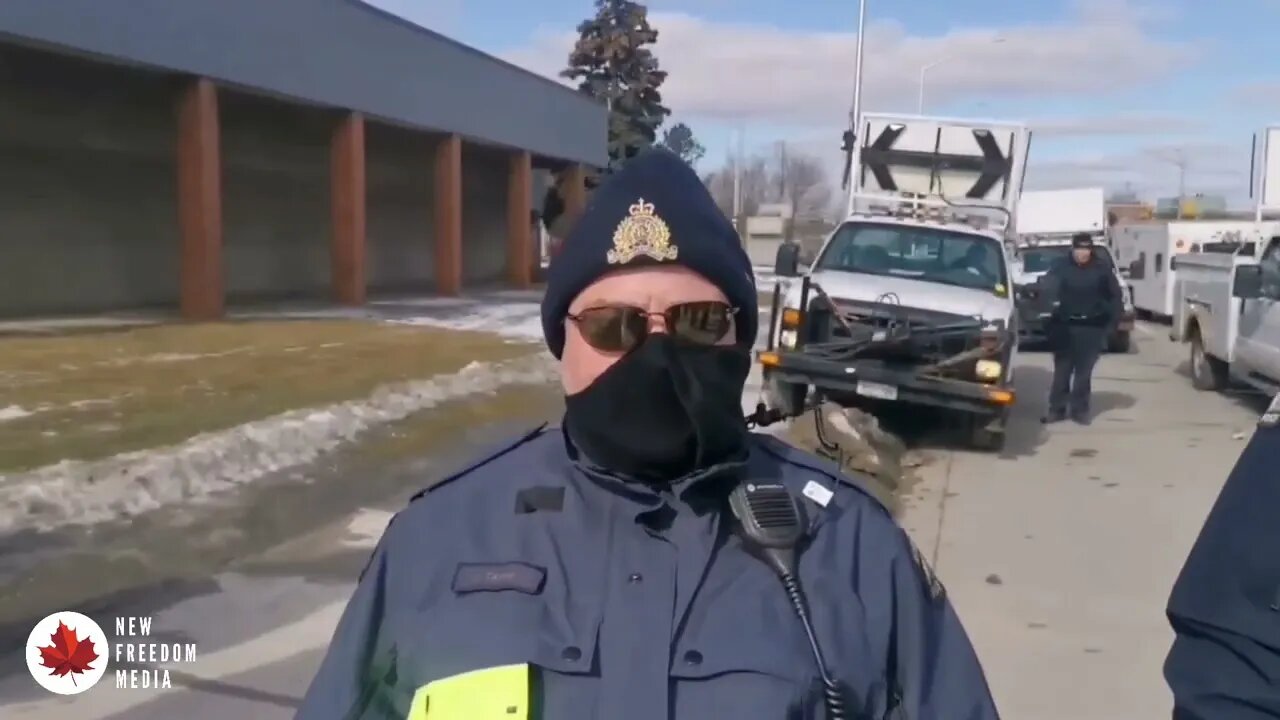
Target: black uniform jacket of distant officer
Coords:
[[630, 600], [1085, 294], [1225, 605]]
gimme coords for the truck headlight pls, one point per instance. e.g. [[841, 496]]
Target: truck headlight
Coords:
[[787, 339], [988, 370]]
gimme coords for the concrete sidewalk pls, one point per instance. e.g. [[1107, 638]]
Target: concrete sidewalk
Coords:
[[1060, 563]]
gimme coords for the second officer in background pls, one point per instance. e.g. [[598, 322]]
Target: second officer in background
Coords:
[[1088, 303]]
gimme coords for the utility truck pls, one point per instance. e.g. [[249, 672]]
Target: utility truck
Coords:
[[1151, 252], [1047, 220], [1227, 296], [910, 299]]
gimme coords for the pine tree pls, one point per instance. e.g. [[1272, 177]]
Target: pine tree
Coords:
[[612, 63], [679, 139]]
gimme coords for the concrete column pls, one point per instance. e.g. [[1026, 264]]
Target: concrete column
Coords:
[[575, 193], [348, 200], [448, 215], [200, 201], [520, 245]]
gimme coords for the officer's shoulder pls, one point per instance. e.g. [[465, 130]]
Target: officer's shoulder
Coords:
[[814, 476], [490, 465]]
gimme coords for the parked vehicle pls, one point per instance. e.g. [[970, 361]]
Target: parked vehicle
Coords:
[[1147, 252], [1229, 315], [910, 299]]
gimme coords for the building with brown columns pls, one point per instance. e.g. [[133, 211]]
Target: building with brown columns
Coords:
[[188, 154]]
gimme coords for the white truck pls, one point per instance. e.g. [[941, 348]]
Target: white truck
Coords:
[[1229, 315], [1047, 219], [1145, 253], [910, 299]]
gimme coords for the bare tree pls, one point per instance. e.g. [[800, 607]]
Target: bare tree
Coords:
[[755, 178], [792, 178], [806, 188]]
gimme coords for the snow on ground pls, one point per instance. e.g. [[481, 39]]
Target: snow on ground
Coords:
[[14, 412], [78, 492], [518, 319]]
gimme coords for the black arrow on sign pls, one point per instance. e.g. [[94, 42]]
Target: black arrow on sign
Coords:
[[991, 167]]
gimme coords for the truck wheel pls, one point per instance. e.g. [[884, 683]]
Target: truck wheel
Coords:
[[784, 396], [1207, 372], [1118, 343]]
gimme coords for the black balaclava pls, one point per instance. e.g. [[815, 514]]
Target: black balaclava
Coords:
[[667, 409]]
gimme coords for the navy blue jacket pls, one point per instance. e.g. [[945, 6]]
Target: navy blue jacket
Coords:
[[1225, 605], [642, 605], [1086, 294]]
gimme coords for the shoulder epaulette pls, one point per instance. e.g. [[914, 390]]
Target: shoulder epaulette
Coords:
[[494, 452], [791, 455]]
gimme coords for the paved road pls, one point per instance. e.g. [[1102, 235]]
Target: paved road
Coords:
[[1058, 555]]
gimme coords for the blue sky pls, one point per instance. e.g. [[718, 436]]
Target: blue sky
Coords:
[[1116, 90]]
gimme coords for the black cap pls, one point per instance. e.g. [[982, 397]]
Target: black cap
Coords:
[[1082, 240], [653, 211]]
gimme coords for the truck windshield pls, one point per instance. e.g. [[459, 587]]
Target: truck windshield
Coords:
[[1040, 259], [920, 253]]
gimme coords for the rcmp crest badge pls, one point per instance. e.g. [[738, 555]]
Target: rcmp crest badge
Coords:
[[641, 233], [1271, 417]]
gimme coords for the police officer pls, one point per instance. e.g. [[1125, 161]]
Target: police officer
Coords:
[[1088, 303], [595, 570], [1225, 605]]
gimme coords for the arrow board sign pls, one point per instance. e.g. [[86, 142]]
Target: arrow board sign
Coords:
[[930, 158]]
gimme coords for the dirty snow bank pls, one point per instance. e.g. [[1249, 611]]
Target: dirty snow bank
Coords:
[[855, 440], [14, 412], [81, 493], [517, 320]]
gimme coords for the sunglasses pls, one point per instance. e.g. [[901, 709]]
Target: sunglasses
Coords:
[[619, 328]]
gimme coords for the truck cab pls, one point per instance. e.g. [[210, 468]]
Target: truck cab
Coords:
[[897, 310], [910, 299]]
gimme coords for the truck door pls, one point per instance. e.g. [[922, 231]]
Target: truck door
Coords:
[[1258, 341]]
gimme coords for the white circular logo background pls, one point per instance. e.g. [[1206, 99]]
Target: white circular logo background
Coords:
[[82, 630]]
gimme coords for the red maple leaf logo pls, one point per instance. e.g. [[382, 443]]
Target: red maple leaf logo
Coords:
[[68, 655]]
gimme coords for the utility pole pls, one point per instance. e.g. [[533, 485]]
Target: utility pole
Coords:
[[855, 112], [737, 182], [782, 171], [1181, 162]]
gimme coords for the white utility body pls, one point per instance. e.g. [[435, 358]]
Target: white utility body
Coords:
[[1054, 213], [1230, 337], [1227, 300], [926, 244], [1144, 252]]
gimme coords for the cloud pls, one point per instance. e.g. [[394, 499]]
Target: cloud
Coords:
[[738, 71], [1117, 125], [1212, 168], [1256, 94]]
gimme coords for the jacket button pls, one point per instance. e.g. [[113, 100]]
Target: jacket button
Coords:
[[635, 578], [693, 657], [571, 653]]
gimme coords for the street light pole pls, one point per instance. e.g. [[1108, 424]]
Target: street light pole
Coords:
[[855, 113]]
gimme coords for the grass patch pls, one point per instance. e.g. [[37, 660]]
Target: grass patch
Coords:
[[92, 395]]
